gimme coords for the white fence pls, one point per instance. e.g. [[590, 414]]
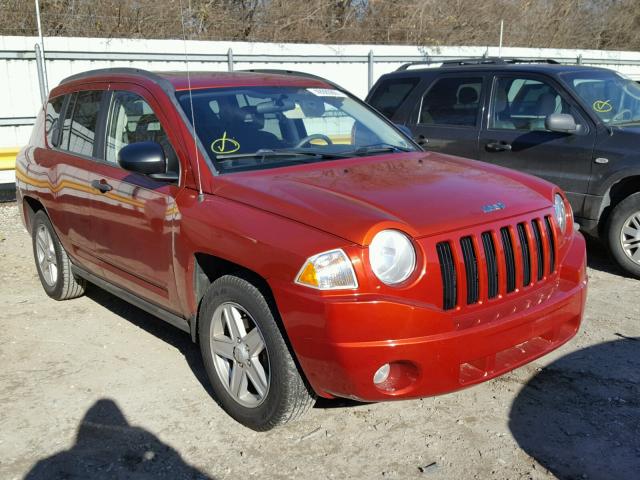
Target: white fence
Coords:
[[351, 66]]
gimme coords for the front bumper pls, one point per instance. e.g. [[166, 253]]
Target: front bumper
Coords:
[[340, 341]]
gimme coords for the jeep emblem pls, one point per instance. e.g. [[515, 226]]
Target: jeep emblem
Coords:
[[493, 207]]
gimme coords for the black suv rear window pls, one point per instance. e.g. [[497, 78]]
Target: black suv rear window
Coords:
[[390, 94], [452, 101]]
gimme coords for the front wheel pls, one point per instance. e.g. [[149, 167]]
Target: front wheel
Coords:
[[251, 370], [623, 234]]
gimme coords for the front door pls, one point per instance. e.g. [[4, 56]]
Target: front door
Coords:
[[135, 216], [447, 119], [515, 135]]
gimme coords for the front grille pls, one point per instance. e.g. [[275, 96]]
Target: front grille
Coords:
[[536, 247]]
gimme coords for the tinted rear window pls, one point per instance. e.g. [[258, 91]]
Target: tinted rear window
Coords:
[[391, 93]]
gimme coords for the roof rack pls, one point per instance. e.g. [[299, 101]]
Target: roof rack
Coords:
[[480, 61], [294, 73]]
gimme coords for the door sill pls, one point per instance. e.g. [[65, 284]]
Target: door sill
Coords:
[[133, 299]]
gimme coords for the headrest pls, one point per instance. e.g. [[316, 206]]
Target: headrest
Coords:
[[467, 95]]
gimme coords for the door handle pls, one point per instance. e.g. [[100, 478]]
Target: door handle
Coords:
[[101, 185], [494, 146], [422, 140]]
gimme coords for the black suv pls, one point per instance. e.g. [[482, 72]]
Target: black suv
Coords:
[[576, 126]]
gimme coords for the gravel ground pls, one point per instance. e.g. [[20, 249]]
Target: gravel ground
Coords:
[[95, 388]]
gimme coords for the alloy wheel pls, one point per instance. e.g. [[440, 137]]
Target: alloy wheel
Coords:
[[46, 254], [630, 237], [240, 355]]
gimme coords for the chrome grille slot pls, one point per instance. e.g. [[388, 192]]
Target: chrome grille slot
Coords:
[[526, 258], [552, 244], [448, 271], [492, 264], [537, 235], [509, 257], [471, 269]]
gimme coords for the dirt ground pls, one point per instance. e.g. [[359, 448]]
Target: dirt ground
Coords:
[[95, 388]]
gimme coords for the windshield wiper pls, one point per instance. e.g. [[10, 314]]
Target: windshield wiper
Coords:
[[380, 148], [264, 154]]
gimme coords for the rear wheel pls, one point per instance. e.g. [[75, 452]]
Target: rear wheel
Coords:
[[52, 262], [251, 370], [623, 234]]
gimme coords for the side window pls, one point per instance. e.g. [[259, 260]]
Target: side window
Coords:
[[452, 101], [66, 124], [51, 121], [390, 94], [79, 129], [132, 120], [524, 104]]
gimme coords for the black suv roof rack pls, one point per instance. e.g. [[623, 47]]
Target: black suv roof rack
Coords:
[[480, 61]]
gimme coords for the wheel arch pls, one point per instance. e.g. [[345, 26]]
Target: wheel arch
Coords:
[[208, 268], [31, 206], [615, 194]]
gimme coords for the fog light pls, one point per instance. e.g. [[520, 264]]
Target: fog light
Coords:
[[382, 374]]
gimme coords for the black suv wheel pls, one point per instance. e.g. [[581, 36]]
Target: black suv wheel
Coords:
[[623, 234]]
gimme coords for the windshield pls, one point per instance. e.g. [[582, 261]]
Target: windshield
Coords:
[[611, 96], [246, 128]]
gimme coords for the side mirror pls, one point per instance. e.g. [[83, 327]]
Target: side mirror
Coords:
[[562, 123], [143, 157]]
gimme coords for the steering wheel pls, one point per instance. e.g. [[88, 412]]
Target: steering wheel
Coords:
[[622, 114], [315, 136]]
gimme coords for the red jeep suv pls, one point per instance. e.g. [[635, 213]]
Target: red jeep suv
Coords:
[[307, 244]]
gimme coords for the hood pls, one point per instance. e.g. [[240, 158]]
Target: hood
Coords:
[[420, 193]]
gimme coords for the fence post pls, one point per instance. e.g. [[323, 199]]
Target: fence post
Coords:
[[370, 65], [579, 59], [41, 80], [230, 60]]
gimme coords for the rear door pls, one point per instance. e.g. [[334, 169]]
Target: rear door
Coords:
[[135, 216], [516, 137], [447, 116], [72, 125]]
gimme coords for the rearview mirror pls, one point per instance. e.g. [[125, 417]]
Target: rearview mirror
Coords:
[[562, 123], [143, 157], [274, 106]]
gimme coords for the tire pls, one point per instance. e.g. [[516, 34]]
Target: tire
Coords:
[[58, 282], [280, 394], [624, 227]]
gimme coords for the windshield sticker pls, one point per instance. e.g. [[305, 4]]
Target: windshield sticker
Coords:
[[224, 145], [326, 92], [602, 106]]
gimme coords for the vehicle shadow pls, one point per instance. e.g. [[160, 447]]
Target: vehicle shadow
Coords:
[[179, 340], [580, 416], [598, 258], [108, 447], [156, 327]]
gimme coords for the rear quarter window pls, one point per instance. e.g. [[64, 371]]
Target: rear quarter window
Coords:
[[390, 94], [52, 119]]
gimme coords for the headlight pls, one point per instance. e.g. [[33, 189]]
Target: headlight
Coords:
[[392, 257], [561, 212], [330, 270]]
